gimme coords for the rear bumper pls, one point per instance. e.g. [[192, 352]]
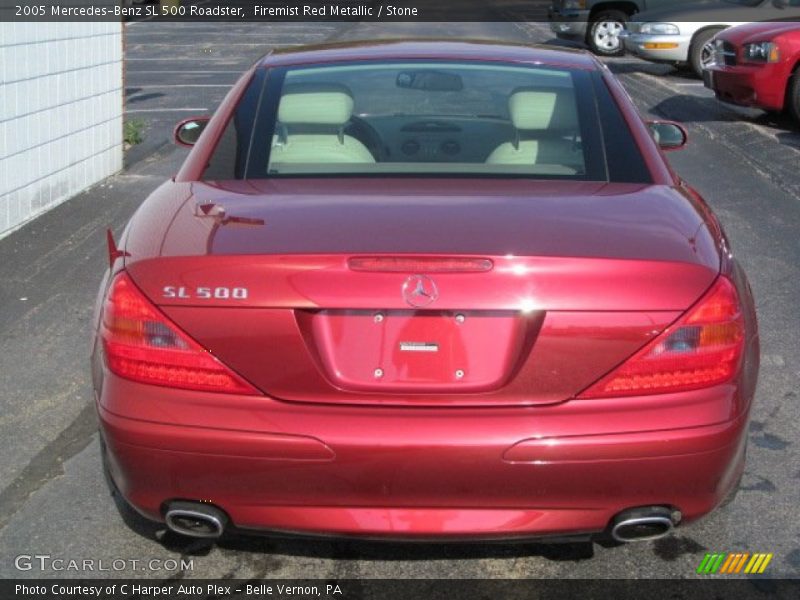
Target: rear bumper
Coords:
[[428, 473], [754, 86]]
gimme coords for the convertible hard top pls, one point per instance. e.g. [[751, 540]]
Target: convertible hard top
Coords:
[[478, 50]]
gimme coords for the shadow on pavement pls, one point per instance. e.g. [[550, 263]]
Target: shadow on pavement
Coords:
[[398, 551], [143, 97], [566, 43], [694, 109], [625, 66], [688, 108], [790, 139]]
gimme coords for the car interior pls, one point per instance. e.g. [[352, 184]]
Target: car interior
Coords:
[[317, 128], [311, 127]]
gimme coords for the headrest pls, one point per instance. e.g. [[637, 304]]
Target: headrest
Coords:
[[543, 108], [315, 104]]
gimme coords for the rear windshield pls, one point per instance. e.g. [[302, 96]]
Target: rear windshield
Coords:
[[425, 118]]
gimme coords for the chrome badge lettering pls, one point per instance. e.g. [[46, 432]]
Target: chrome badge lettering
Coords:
[[205, 293], [418, 347]]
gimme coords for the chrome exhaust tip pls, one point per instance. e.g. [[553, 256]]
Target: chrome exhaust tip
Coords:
[[643, 524], [195, 519]]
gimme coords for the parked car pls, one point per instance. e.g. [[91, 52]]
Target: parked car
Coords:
[[598, 22], [425, 290], [757, 65], [682, 35]]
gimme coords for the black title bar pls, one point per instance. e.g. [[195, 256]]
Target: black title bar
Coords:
[[387, 11], [395, 589]]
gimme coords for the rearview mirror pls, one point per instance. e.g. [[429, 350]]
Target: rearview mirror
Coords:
[[668, 135], [429, 80], [188, 131]]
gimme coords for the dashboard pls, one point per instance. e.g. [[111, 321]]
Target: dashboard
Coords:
[[415, 138]]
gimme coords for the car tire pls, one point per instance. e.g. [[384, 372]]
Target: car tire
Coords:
[[700, 50], [793, 97], [603, 35]]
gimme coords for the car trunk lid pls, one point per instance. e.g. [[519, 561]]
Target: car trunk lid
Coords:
[[271, 278]]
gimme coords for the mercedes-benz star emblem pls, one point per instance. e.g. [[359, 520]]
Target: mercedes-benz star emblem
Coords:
[[419, 291]]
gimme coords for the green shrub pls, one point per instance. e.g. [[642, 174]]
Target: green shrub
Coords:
[[133, 132]]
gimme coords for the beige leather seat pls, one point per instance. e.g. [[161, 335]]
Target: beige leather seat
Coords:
[[311, 121], [547, 127]]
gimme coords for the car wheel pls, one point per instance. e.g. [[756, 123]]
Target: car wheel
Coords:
[[603, 37], [701, 52], [793, 96]]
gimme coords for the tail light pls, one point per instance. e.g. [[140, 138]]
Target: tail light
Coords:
[[142, 344], [702, 349]]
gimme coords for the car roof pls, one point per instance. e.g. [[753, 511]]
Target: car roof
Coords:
[[471, 50]]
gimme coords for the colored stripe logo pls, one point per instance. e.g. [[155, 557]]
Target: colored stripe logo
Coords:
[[733, 563]]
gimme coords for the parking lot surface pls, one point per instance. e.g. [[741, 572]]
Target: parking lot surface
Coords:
[[54, 500]]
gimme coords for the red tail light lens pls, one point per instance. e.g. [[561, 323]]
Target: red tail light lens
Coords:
[[702, 349], [422, 264], [142, 344]]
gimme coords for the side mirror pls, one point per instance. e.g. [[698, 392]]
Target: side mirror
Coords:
[[668, 135], [780, 4], [188, 131]]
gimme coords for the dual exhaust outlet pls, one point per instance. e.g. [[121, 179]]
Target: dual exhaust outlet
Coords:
[[201, 520], [644, 523], [195, 519]]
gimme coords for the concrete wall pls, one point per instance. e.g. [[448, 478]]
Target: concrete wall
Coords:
[[60, 113]]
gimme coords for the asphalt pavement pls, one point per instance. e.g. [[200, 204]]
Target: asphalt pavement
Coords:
[[179, 70], [53, 499]]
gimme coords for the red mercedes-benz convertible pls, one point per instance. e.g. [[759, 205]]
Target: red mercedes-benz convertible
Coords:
[[425, 290]]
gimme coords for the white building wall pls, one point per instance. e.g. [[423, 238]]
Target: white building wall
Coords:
[[60, 113]]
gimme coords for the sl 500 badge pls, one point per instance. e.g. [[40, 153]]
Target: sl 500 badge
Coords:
[[205, 293]]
